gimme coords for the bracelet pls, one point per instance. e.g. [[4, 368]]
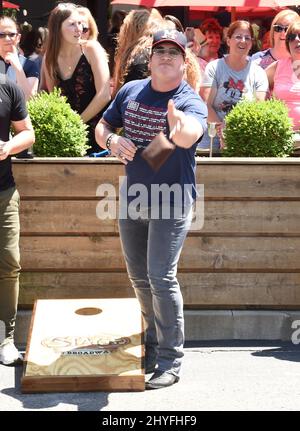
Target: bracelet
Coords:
[[108, 140]]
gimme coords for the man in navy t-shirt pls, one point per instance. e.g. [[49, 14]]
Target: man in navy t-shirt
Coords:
[[13, 113], [162, 119]]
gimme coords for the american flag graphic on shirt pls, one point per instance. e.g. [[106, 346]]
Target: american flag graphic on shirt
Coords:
[[142, 122]]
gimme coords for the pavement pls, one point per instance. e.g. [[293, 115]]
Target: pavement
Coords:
[[223, 376]]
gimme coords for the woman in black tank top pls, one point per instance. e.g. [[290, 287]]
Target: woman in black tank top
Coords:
[[78, 67]]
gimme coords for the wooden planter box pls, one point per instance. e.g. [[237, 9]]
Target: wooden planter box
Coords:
[[246, 256]]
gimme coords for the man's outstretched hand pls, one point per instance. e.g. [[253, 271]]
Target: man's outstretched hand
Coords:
[[176, 119]]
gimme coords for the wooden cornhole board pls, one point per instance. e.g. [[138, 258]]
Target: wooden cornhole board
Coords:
[[84, 345]]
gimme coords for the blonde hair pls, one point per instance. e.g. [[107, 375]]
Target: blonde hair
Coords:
[[281, 15], [86, 13], [193, 72], [135, 37], [294, 27]]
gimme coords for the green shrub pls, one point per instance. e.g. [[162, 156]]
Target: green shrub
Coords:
[[258, 129], [59, 131]]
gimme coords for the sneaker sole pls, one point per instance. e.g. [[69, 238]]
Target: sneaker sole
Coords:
[[18, 361]]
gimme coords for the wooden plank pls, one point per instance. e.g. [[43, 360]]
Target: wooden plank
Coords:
[[255, 181], [61, 180], [257, 217], [62, 285], [205, 253], [64, 217], [221, 180], [241, 289], [79, 217], [79, 338], [32, 385], [198, 289]]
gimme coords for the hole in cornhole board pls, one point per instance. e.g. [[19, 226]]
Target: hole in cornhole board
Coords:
[[88, 311]]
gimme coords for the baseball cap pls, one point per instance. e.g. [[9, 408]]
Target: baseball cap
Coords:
[[172, 36]]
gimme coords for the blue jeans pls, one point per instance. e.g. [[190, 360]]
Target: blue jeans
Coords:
[[152, 249]]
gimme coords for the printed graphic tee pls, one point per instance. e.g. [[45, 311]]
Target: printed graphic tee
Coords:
[[233, 86], [142, 112]]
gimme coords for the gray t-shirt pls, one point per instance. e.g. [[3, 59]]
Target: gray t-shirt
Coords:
[[233, 86]]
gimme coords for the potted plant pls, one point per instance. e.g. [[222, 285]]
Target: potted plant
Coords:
[[59, 131], [258, 129]]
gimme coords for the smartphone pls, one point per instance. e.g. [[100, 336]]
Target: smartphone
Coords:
[[190, 34]]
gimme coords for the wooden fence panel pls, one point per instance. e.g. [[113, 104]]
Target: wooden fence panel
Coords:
[[246, 255], [79, 217]]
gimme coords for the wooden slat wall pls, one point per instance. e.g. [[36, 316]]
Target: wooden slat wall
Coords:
[[246, 255]]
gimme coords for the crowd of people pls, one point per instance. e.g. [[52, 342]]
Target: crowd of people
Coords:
[[219, 67], [161, 85]]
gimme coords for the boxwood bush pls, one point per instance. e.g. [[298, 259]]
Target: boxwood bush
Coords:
[[59, 131], [258, 129]]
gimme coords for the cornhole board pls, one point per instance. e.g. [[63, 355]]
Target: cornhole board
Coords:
[[84, 345]]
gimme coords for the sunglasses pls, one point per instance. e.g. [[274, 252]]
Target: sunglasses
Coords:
[[280, 28], [10, 35], [293, 36], [171, 52]]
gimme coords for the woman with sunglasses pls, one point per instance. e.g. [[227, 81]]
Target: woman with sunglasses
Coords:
[[232, 78], [78, 67], [278, 31], [284, 75]]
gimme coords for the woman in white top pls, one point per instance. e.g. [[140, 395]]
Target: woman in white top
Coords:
[[232, 78]]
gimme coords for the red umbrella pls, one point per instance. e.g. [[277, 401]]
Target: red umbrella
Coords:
[[10, 5]]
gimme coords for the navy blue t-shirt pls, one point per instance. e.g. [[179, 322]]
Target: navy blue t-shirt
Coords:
[[142, 112], [12, 108]]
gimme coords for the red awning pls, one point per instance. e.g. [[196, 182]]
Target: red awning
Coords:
[[10, 5], [190, 3], [239, 11]]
